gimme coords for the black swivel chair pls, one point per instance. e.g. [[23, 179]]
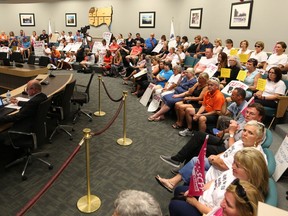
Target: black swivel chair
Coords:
[[60, 109], [31, 60], [44, 61], [82, 97], [30, 141], [17, 57]]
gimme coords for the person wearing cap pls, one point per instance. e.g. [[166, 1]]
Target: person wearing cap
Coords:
[[47, 50], [211, 107], [25, 48]]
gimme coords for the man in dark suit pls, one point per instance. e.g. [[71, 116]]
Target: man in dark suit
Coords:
[[24, 119]]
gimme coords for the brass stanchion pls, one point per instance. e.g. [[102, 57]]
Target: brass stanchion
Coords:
[[88, 203], [124, 141], [99, 113]]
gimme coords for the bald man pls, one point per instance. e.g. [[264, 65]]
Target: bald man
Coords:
[[24, 119]]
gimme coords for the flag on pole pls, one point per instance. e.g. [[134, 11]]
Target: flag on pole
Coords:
[[49, 29], [197, 179], [172, 33]]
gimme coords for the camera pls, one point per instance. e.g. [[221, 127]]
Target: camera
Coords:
[[84, 29]]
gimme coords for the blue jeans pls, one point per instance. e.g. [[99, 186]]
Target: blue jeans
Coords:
[[186, 171]]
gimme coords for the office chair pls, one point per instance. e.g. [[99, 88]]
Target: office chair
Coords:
[[17, 57], [60, 109], [30, 141], [44, 61], [82, 97], [31, 60], [280, 110]]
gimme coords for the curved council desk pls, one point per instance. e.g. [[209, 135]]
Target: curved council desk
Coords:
[[55, 85], [12, 77]]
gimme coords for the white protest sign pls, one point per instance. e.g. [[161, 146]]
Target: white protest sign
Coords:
[[39, 48], [227, 90], [158, 48], [140, 73], [211, 70], [281, 158], [107, 36], [147, 94], [60, 47], [96, 46], [153, 106], [76, 46], [68, 47]]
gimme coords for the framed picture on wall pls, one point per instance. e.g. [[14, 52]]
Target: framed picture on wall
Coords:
[[240, 16], [147, 19], [71, 19], [195, 18], [27, 19]]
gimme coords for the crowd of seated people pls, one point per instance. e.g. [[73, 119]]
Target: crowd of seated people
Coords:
[[193, 95]]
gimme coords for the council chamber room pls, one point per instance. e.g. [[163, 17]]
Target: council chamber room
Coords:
[[143, 108]]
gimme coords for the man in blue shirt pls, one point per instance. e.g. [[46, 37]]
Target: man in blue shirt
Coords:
[[150, 44]]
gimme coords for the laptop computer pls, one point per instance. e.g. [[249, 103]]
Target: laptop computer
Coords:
[[4, 110]]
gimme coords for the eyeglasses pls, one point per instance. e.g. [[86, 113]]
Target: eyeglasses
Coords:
[[240, 191], [258, 46]]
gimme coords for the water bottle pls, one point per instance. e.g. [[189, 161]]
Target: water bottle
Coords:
[[8, 96]]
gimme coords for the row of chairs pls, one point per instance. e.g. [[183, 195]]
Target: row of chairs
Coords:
[[56, 107]]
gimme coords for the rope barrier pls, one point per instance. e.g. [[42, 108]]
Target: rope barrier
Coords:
[[70, 158], [109, 94], [50, 182], [111, 121]]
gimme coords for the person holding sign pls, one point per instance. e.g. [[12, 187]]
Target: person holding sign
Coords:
[[246, 166], [244, 48], [135, 53], [209, 111], [234, 66], [228, 47], [252, 76], [274, 87]]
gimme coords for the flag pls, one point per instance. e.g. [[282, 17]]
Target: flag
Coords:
[[172, 33], [49, 29], [243, 111], [197, 179]]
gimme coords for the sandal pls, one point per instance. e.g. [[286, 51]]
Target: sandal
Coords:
[[176, 126], [151, 118], [165, 183]]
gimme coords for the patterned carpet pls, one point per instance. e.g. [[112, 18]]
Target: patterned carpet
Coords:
[[113, 167]]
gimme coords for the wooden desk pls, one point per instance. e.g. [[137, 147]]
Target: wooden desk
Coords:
[[56, 84], [13, 77]]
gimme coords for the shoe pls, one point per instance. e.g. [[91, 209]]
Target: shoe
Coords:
[[175, 171], [176, 126], [131, 64], [165, 183], [168, 160], [186, 132]]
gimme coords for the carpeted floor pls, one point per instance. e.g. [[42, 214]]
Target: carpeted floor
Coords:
[[113, 167]]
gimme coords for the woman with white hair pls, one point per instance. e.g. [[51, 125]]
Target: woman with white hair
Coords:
[[136, 203], [235, 66]]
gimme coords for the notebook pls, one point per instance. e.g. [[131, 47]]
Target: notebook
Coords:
[[4, 110]]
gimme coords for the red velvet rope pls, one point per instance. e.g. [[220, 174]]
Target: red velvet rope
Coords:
[[66, 163], [109, 94], [50, 182], [110, 122]]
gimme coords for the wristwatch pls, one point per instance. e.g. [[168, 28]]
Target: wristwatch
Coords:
[[231, 135]]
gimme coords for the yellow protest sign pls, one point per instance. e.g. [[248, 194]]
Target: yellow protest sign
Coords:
[[233, 52], [241, 75], [261, 83], [225, 72], [243, 58]]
